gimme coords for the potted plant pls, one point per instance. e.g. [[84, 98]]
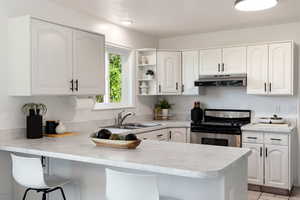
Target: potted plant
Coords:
[[164, 106], [150, 74]]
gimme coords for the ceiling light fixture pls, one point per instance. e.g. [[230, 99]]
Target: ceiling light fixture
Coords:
[[254, 5], [127, 22]]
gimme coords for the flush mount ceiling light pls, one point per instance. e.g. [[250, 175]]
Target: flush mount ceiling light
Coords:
[[254, 5], [127, 22]]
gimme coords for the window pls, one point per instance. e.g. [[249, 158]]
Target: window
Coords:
[[118, 78]]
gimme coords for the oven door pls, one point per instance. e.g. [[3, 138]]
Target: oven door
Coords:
[[216, 139]]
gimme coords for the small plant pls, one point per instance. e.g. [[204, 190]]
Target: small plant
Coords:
[[38, 108], [163, 104], [150, 72]]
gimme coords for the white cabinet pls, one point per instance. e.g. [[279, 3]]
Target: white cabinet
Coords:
[[255, 164], [50, 59], [190, 72], [277, 166], [169, 72], [280, 68], [234, 60], [270, 162], [257, 69], [88, 56], [270, 69], [178, 135], [231, 60], [210, 61]]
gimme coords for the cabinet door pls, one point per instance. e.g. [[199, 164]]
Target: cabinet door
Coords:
[[89, 63], [178, 135], [277, 165], [255, 163], [257, 69], [169, 72], [210, 61], [234, 60], [280, 68], [190, 72], [51, 59]]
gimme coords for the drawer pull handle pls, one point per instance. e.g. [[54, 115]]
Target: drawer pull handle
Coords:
[[275, 139], [260, 152], [252, 138], [160, 135]]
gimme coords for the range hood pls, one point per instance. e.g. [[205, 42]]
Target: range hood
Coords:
[[234, 80]]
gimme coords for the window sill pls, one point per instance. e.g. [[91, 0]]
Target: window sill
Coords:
[[99, 107]]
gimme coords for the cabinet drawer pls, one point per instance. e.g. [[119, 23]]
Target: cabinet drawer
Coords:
[[276, 139], [161, 135], [252, 137]]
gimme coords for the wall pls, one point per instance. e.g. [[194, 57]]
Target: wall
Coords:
[[237, 97], [60, 107]]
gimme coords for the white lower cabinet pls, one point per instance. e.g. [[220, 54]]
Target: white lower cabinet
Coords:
[[171, 134], [178, 135], [255, 164], [277, 166], [270, 162]]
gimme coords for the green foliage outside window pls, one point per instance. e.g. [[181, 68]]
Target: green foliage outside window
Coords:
[[115, 80]]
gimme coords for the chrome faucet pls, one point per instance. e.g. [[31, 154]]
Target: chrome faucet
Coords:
[[120, 119]]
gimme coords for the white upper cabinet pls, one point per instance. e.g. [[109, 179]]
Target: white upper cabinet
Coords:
[[234, 60], [277, 166], [88, 56], [190, 72], [50, 59], [257, 69], [280, 68], [210, 61], [270, 69], [169, 72]]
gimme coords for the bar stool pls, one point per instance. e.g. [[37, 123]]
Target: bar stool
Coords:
[[126, 186], [28, 172]]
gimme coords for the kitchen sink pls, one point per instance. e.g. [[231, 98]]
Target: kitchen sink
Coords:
[[132, 126]]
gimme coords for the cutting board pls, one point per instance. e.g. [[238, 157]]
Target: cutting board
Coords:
[[61, 135]]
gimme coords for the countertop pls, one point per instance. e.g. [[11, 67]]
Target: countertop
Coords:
[[274, 128], [187, 160]]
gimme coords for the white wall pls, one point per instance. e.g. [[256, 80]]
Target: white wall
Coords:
[[237, 97], [60, 107]]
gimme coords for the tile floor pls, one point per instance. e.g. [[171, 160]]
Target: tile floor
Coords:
[[266, 196]]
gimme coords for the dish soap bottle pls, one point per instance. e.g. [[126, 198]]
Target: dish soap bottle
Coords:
[[197, 113]]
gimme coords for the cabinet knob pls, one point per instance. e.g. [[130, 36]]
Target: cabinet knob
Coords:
[[219, 67], [270, 87], [176, 86], [223, 67], [265, 87], [182, 87]]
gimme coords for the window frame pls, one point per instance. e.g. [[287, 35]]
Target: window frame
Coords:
[[128, 68]]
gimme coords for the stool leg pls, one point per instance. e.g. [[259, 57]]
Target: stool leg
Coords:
[[44, 196], [62, 193], [25, 194]]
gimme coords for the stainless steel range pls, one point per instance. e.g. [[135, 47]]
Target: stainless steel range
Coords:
[[220, 127]]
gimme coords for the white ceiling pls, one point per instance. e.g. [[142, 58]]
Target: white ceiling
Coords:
[[164, 18]]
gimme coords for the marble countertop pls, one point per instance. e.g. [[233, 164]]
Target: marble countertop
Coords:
[[187, 160], [274, 128]]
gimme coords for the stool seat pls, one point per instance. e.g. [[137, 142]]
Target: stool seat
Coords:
[[28, 172], [130, 186]]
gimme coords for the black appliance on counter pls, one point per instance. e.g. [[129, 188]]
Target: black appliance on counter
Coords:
[[220, 127]]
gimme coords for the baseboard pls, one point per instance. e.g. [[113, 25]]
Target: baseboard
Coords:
[[267, 189]]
